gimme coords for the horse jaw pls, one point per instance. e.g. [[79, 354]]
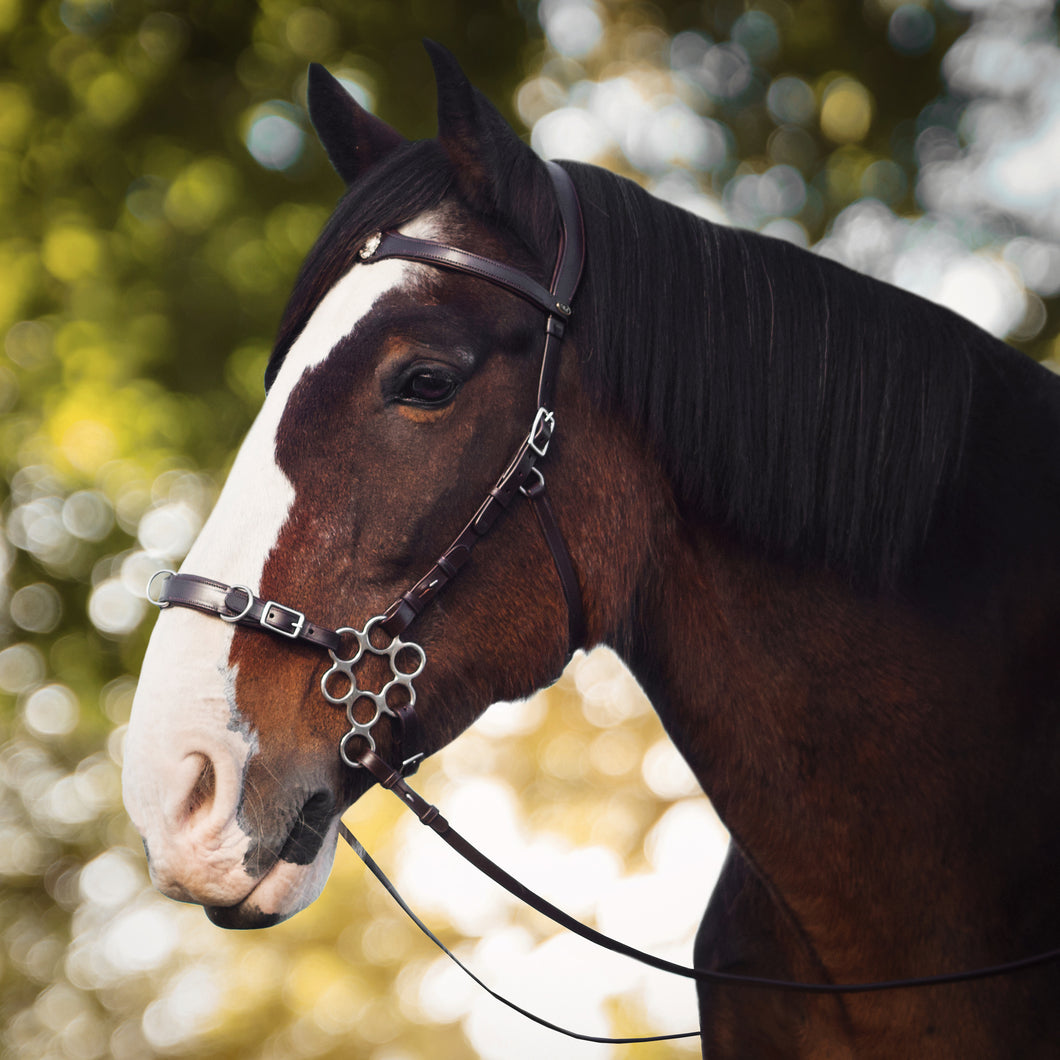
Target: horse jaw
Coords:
[[189, 745]]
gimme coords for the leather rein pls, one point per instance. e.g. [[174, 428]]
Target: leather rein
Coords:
[[239, 605]]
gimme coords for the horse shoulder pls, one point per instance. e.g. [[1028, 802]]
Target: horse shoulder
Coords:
[[748, 930]]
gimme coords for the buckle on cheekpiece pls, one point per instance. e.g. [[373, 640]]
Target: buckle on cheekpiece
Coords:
[[541, 432], [273, 615]]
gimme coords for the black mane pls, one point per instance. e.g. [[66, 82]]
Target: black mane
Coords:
[[815, 412]]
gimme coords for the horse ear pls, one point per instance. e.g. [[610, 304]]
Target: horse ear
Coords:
[[492, 165], [353, 139]]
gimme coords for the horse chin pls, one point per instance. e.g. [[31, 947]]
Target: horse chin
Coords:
[[287, 888], [243, 917]]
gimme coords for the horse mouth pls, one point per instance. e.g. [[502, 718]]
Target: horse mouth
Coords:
[[244, 915], [284, 878]]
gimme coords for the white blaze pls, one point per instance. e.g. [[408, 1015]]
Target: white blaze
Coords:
[[184, 713]]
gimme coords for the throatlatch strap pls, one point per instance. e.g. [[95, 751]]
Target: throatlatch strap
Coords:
[[546, 518]]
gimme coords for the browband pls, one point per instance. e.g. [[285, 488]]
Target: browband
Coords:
[[395, 245]]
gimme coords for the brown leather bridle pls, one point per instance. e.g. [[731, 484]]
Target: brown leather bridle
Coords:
[[239, 605]]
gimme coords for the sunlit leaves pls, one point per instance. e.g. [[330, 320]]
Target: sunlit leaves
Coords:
[[200, 193], [159, 186]]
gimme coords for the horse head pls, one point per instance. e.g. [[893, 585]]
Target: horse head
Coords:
[[814, 514], [395, 394]]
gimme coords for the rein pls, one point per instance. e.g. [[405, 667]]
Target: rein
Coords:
[[240, 606]]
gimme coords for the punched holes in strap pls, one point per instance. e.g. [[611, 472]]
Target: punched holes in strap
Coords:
[[238, 605]]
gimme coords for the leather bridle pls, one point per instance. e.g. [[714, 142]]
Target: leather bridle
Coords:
[[239, 605]]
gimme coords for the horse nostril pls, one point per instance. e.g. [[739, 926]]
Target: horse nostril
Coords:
[[204, 788]]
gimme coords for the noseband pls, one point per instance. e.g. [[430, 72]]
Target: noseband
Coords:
[[238, 605]]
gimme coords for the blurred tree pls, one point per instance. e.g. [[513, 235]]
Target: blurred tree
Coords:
[[159, 186], [835, 125]]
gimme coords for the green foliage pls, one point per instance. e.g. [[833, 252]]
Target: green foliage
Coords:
[[145, 255], [159, 186]]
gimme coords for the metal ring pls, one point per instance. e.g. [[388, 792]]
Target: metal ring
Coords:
[[540, 484], [159, 603], [328, 694], [358, 636], [369, 629], [353, 763], [242, 614], [379, 708], [406, 645]]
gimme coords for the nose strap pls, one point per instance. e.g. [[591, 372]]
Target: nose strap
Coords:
[[238, 605]]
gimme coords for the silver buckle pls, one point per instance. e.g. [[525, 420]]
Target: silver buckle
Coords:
[[413, 761], [544, 420], [540, 483], [295, 616]]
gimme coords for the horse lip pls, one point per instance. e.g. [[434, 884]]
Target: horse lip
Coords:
[[243, 916], [307, 834], [301, 847], [303, 841]]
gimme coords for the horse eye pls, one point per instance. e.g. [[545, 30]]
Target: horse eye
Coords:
[[429, 387]]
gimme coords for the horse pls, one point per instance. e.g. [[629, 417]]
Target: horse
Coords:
[[815, 515]]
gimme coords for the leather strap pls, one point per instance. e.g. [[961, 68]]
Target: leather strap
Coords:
[[546, 518], [556, 301], [381, 876], [403, 611], [432, 817], [396, 245], [405, 734], [238, 605], [570, 257]]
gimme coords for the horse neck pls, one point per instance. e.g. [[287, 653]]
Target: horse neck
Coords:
[[855, 746]]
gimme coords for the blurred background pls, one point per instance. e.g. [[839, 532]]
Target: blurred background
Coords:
[[159, 185]]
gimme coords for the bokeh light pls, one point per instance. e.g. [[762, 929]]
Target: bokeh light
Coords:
[[573, 27], [846, 111], [274, 135], [51, 711], [160, 186], [911, 29]]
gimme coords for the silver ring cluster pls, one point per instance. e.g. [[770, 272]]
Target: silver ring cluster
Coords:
[[400, 679]]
